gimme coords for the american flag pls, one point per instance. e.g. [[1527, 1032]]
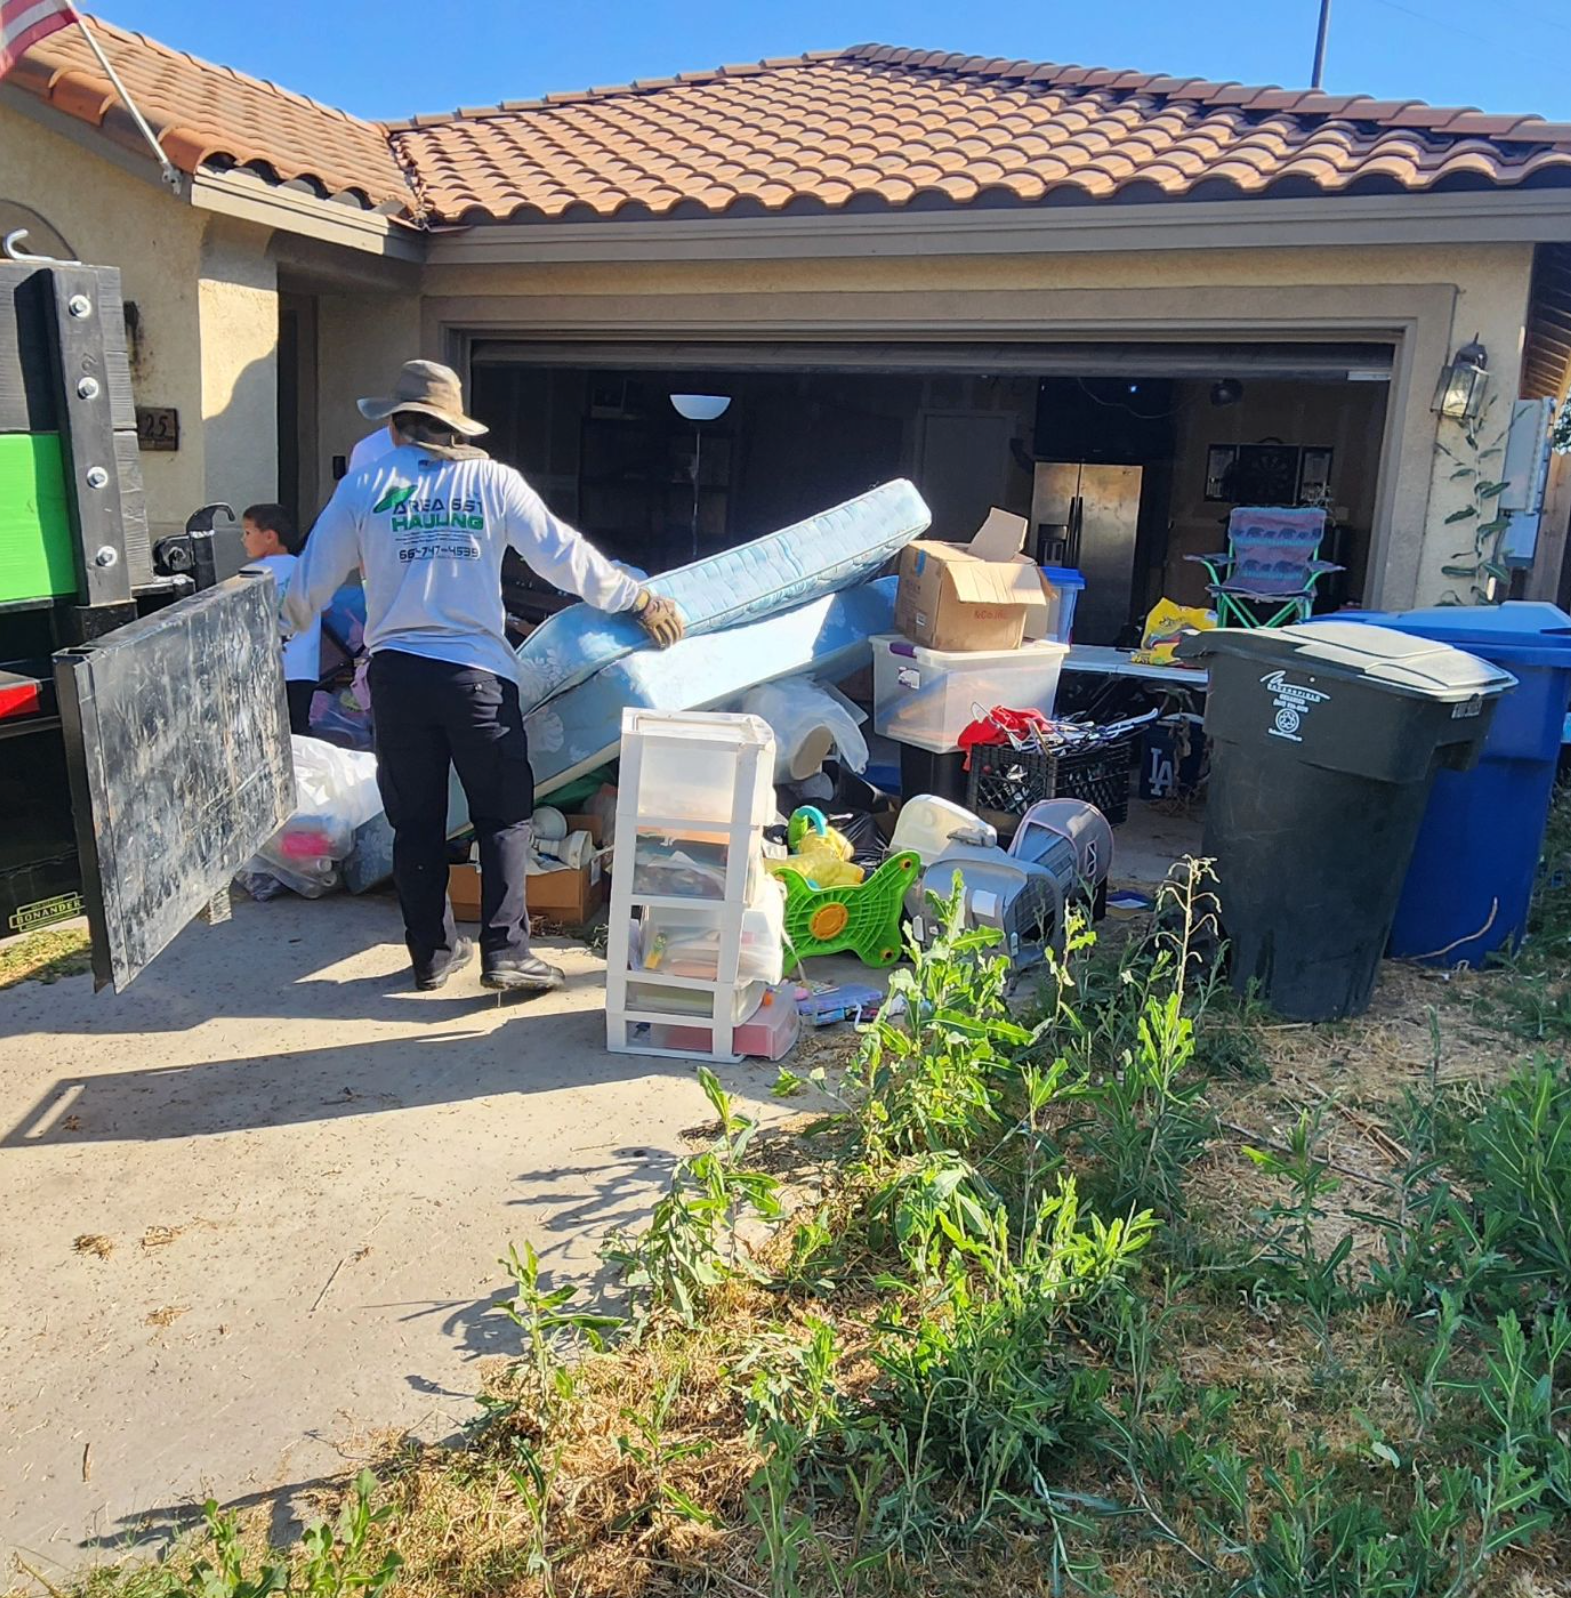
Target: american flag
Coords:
[[24, 22]]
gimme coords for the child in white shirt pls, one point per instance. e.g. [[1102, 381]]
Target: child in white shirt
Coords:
[[272, 543]]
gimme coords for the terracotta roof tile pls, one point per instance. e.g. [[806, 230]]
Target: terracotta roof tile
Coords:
[[210, 114], [818, 131], [904, 124]]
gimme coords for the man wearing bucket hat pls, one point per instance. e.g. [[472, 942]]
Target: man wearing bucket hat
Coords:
[[428, 523]]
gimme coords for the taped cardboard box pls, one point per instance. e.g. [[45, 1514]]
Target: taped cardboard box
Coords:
[[981, 595], [569, 897]]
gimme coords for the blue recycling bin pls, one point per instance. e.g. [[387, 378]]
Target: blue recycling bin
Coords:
[[1470, 884]]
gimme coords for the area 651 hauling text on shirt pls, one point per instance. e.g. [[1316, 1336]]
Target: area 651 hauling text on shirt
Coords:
[[429, 534]]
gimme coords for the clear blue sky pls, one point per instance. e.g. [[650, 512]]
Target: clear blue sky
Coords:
[[395, 57]]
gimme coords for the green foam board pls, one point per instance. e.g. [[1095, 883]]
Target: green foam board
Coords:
[[36, 559]]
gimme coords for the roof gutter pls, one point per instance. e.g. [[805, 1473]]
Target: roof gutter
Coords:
[[248, 198], [1475, 216], [236, 193]]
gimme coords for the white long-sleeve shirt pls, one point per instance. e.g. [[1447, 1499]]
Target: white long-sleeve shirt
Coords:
[[303, 651], [429, 534], [371, 448]]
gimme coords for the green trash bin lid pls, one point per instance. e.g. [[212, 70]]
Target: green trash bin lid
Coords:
[[1378, 657]]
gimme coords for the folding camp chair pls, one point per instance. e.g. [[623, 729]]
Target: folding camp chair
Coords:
[[1267, 577]]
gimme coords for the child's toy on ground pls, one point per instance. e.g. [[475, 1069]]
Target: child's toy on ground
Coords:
[[819, 852], [863, 918], [838, 1001]]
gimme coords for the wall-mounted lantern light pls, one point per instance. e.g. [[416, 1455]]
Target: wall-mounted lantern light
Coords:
[[1460, 392]]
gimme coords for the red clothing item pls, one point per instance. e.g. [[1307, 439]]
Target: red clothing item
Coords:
[[997, 725]]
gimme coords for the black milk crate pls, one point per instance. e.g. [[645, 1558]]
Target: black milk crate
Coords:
[[1009, 781]]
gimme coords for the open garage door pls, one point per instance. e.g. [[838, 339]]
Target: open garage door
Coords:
[[1196, 428]]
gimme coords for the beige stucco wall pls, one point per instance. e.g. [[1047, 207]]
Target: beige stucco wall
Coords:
[[206, 303], [1429, 298], [1461, 263], [361, 342], [238, 332]]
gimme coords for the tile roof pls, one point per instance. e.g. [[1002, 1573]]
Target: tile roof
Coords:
[[875, 127], [867, 128], [211, 115]]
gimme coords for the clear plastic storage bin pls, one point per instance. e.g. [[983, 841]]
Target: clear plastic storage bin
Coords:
[[649, 997], [680, 863], [769, 1033], [927, 697]]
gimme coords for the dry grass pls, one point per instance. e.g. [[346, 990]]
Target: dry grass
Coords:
[[464, 1523], [45, 956]]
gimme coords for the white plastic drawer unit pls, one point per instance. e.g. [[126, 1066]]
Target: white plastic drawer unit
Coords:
[[695, 922], [685, 941]]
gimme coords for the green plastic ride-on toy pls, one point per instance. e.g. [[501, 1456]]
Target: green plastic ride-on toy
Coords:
[[862, 917]]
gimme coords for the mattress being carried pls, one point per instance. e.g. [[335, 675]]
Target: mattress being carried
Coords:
[[832, 550], [582, 728]]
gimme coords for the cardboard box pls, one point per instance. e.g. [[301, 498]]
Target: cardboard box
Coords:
[[569, 898], [971, 596], [463, 891]]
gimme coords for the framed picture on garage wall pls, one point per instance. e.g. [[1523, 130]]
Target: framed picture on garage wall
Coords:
[[1219, 462], [1314, 477]]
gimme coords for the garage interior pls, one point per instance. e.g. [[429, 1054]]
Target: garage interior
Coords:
[[1124, 458]]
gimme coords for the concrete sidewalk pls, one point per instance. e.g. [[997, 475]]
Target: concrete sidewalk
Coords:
[[292, 1177]]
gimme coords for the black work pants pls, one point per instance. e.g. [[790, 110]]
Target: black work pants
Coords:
[[300, 694], [429, 715]]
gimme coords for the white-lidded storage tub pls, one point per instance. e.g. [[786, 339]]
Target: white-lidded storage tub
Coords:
[[927, 697]]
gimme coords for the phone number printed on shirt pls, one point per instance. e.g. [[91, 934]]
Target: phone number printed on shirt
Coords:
[[439, 551]]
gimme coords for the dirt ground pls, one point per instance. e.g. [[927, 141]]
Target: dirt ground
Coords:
[[254, 1209]]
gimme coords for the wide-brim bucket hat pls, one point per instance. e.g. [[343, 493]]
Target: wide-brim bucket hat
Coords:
[[429, 388]]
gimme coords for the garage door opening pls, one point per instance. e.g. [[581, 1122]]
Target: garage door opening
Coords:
[[1123, 469]]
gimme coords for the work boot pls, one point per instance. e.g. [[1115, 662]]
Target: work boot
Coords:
[[519, 973], [429, 977]]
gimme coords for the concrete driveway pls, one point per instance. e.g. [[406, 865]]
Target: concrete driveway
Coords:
[[254, 1208]]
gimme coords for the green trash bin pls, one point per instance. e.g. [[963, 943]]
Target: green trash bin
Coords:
[[1324, 743]]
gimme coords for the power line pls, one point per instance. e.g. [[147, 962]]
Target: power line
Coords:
[[1438, 22]]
